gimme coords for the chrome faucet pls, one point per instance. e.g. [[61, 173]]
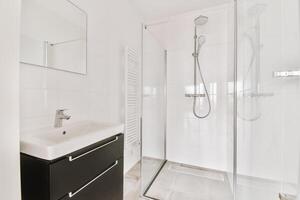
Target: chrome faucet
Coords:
[[59, 117]]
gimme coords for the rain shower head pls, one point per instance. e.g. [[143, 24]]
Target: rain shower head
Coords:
[[201, 20]]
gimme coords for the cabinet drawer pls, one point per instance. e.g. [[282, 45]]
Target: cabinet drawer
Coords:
[[75, 170], [107, 186]]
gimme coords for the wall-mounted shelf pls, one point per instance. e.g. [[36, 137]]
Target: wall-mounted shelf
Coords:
[[263, 94], [283, 74]]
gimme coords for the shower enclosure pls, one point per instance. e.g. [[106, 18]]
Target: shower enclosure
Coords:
[[248, 146]]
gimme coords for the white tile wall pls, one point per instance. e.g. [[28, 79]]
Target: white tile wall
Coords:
[[190, 140], [269, 147], [154, 73], [98, 95]]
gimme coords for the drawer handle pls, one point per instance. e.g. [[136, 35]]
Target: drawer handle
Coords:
[[72, 194], [71, 159]]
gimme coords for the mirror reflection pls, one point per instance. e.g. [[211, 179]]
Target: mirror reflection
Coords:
[[53, 35]]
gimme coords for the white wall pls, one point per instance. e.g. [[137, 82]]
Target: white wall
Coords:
[[98, 95], [9, 97], [154, 74], [269, 146], [199, 142]]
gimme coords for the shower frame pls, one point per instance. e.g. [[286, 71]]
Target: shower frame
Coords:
[[235, 109], [143, 192]]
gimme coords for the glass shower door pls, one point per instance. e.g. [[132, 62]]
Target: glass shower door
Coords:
[[154, 110], [268, 99]]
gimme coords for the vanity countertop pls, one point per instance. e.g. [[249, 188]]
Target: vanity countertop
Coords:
[[52, 143]]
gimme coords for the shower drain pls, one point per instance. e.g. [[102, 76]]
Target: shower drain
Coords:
[[199, 172]]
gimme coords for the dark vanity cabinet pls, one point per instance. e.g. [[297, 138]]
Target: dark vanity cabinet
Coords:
[[92, 173]]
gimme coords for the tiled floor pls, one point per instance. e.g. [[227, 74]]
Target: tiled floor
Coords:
[[250, 188], [181, 182], [132, 184], [178, 182]]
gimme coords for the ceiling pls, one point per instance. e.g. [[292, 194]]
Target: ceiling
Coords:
[[154, 10]]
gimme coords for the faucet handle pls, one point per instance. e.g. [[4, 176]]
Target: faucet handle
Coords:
[[59, 116], [60, 111]]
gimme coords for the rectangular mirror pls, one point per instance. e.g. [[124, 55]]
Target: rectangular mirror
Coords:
[[54, 35]]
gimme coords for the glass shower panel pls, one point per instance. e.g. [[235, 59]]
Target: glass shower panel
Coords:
[[154, 108], [268, 99]]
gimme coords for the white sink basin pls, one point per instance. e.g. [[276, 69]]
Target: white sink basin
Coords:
[[52, 143]]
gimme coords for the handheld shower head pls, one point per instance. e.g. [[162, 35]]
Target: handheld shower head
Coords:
[[201, 41]]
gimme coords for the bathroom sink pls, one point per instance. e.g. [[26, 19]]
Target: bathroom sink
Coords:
[[52, 143]]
